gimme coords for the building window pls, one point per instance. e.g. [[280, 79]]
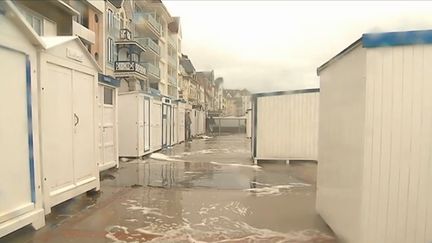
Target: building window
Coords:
[[108, 96], [111, 52], [83, 17], [110, 19], [34, 20]]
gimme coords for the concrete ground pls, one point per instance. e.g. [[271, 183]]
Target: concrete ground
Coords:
[[204, 191]]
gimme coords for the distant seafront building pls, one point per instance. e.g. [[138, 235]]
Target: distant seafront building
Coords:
[[237, 101], [135, 42], [143, 37]]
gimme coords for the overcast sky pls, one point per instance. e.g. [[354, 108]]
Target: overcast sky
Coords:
[[269, 46]]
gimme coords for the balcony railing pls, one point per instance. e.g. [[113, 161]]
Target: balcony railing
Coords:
[[129, 66], [172, 60], [125, 34], [152, 69], [172, 40], [172, 79], [141, 16], [149, 44], [83, 32]]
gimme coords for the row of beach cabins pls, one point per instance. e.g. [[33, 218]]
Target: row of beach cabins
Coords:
[[369, 126], [62, 122]]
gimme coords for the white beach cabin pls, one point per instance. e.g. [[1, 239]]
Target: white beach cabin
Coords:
[[107, 122], [285, 125], [135, 128], [21, 198], [375, 138], [68, 114]]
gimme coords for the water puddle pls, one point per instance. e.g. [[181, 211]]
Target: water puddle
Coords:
[[163, 157], [262, 189], [256, 167], [212, 229]]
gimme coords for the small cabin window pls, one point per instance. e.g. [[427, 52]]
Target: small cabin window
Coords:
[[108, 96]]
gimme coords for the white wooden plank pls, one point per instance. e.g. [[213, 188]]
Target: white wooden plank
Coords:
[[395, 125], [368, 143], [426, 142], [428, 194], [414, 158], [386, 137], [405, 144], [376, 72]]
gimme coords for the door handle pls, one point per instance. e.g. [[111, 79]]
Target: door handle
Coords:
[[76, 119]]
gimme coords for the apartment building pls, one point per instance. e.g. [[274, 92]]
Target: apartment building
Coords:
[[219, 97], [160, 34], [66, 18], [237, 101], [187, 81], [206, 79]]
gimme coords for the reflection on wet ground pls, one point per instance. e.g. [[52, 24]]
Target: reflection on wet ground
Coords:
[[204, 191]]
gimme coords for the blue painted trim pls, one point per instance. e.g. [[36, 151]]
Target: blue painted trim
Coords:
[[105, 79], [30, 130], [29, 121], [371, 40], [290, 92]]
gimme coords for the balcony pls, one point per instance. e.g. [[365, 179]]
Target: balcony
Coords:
[[172, 41], [147, 18], [125, 68], [152, 70], [172, 80], [84, 33], [125, 34], [148, 43], [172, 60]]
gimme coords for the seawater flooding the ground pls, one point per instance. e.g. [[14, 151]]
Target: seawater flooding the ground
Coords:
[[204, 191]]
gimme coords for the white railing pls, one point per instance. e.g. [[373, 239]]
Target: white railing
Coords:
[[125, 34], [129, 66], [152, 69], [141, 16], [172, 79], [148, 43], [83, 32], [172, 40], [173, 60]]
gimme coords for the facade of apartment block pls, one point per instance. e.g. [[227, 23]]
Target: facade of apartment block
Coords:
[[137, 42], [237, 101]]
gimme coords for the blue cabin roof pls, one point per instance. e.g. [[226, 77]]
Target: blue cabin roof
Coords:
[[384, 39]]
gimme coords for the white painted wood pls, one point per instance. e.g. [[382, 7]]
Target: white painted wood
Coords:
[[389, 200], [146, 118], [68, 123], [107, 129], [181, 122], [249, 123], [174, 124], [156, 125], [16, 204], [135, 126], [14, 137], [341, 126], [287, 126], [128, 124]]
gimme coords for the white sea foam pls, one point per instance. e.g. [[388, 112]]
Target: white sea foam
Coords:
[[223, 229], [256, 167], [159, 156], [273, 190], [131, 220], [134, 206]]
